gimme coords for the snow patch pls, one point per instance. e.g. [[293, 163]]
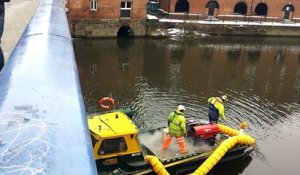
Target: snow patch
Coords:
[[151, 17]]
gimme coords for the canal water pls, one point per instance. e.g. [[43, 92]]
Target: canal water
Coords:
[[261, 77]]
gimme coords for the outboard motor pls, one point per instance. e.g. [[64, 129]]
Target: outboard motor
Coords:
[[201, 131]]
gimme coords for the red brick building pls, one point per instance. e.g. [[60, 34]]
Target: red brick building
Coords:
[[108, 18], [284, 9], [112, 18]]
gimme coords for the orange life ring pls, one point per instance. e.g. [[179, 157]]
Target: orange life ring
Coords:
[[106, 103]]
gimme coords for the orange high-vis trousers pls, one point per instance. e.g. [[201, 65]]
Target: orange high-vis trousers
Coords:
[[180, 141]]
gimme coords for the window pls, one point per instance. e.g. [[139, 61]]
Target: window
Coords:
[[93, 5], [110, 146], [126, 9]]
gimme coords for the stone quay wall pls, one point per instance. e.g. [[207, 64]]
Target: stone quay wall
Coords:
[[154, 28], [159, 29], [93, 28]]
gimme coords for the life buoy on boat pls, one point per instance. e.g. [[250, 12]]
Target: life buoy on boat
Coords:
[[106, 103]]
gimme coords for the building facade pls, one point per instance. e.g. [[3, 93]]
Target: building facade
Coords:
[[117, 18], [107, 18], [284, 9]]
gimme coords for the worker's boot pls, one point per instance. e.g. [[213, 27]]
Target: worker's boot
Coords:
[[182, 146], [167, 142]]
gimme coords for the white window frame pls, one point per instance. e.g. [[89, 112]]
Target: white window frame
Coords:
[[126, 8], [93, 5]]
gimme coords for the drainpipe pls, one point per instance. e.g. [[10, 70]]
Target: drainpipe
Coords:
[[251, 8], [169, 6]]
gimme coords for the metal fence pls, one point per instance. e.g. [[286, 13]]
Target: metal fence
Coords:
[[225, 18]]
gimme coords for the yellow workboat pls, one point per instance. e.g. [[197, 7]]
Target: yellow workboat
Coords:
[[119, 147]]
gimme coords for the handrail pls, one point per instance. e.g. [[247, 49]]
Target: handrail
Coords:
[[43, 126]]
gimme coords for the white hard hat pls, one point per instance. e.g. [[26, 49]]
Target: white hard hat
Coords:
[[181, 108], [224, 98]]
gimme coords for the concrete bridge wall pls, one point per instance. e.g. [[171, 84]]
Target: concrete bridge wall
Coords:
[[43, 127]]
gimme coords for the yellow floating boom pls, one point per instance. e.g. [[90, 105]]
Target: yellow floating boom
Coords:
[[237, 137], [157, 166], [216, 156]]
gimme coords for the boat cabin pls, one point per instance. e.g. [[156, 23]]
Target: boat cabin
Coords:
[[115, 141]]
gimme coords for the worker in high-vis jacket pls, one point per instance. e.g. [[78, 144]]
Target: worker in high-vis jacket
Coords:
[[177, 129], [216, 108]]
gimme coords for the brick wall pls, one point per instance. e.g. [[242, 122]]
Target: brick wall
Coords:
[[227, 6], [105, 21], [106, 9]]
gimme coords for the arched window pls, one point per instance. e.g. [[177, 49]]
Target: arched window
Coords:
[[261, 9], [211, 5], [240, 8], [125, 31], [289, 8], [182, 6]]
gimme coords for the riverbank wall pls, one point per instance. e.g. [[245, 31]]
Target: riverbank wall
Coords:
[[158, 28], [92, 28]]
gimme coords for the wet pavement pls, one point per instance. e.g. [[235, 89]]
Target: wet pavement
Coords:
[[17, 15]]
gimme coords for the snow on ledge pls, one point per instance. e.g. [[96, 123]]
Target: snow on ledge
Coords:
[[151, 17]]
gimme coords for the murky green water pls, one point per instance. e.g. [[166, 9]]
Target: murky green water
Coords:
[[261, 76]]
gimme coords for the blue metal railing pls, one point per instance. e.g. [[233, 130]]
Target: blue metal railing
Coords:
[[43, 127]]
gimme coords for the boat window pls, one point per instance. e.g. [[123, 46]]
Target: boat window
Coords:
[[110, 146]]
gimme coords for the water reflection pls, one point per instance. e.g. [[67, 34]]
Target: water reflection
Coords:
[[154, 64], [260, 75], [199, 69], [125, 43], [280, 55], [176, 52], [207, 54], [232, 168], [234, 53], [254, 54]]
